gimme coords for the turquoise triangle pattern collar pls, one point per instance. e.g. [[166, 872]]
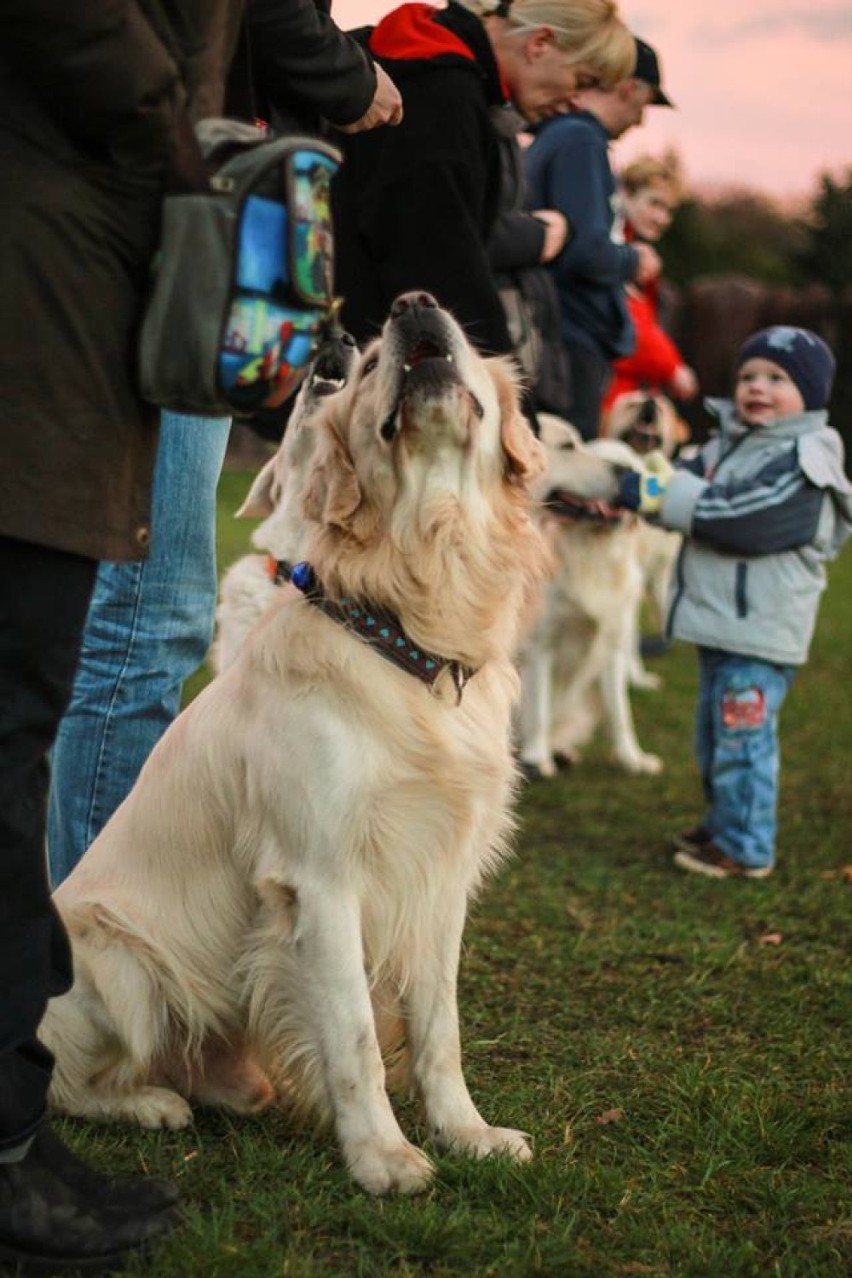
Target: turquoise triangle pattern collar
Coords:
[[377, 627]]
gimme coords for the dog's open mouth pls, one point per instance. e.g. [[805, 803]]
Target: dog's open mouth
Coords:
[[643, 439], [427, 364], [424, 345], [570, 507], [423, 350], [644, 435], [332, 365]]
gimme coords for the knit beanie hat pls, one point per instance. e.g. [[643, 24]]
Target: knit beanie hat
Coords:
[[803, 355]]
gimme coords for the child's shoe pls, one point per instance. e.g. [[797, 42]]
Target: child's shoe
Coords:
[[709, 860], [692, 840]]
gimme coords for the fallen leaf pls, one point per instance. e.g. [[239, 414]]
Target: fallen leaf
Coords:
[[609, 1116]]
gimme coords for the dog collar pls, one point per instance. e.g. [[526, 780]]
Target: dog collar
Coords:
[[381, 630], [278, 570], [575, 509]]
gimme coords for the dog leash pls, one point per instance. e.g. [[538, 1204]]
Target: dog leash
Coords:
[[377, 627]]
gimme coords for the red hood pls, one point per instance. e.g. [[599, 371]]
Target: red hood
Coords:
[[411, 32]]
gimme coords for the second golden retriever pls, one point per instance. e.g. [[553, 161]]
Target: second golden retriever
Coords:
[[251, 583], [575, 661]]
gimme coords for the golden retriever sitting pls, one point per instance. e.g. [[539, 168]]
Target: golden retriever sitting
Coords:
[[251, 583], [280, 901], [574, 664]]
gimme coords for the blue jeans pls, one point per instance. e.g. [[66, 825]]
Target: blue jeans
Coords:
[[736, 746], [148, 628]]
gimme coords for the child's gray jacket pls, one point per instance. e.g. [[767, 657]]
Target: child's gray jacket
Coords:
[[761, 509]]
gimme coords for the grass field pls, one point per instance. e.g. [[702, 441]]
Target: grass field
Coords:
[[678, 1048]]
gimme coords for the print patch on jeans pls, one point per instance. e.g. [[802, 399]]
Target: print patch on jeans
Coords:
[[743, 708]]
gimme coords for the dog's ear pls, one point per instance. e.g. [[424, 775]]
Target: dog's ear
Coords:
[[333, 493], [523, 454], [259, 502]]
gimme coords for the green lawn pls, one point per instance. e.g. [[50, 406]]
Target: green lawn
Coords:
[[678, 1048]]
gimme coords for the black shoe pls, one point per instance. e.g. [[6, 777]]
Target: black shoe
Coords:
[[130, 1193], [59, 1216]]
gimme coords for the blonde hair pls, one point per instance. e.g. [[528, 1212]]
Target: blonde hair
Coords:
[[646, 170], [590, 30]]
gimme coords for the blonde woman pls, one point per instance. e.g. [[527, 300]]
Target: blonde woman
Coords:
[[415, 205]]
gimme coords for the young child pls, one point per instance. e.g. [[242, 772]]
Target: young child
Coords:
[[649, 192], [762, 507]]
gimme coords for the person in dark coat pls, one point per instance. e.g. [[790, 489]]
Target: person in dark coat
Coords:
[[522, 242], [568, 168], [94, 128], [296, 69], [150, 623], [415, 205]]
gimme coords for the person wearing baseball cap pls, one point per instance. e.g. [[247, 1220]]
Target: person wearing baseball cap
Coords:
[[647, 70], [568, 169]]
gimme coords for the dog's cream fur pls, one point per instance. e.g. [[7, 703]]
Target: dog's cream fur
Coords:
[[575, 662], [277, 908]]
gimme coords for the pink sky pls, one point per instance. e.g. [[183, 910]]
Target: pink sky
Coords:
[[763, 87]]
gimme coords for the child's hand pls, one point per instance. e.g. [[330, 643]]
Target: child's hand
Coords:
[[658, 464], [643, 491]]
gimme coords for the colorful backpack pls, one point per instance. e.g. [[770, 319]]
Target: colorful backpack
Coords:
[[243, 279]]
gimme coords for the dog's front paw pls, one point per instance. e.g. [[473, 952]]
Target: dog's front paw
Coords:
[[646, 679], [156, 1107], [537, 769], [482, 1142], [381, 1168], [641, 764]]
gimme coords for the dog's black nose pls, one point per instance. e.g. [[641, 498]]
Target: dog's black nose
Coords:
[[407, 300]]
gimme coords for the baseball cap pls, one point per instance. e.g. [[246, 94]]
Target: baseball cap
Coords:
[[648, 69]]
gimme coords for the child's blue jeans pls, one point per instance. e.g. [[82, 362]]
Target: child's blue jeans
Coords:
[[148, 629], [736, 746]]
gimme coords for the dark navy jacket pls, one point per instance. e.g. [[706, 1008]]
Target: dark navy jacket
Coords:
[[568, 169]]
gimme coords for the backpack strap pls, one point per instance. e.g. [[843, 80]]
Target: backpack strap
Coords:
[[239, 173]]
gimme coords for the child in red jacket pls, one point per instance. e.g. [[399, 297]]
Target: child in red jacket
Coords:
[[649, 193]]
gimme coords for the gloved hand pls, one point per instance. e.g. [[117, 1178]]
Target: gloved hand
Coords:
[[658, 464], [644, 491]]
